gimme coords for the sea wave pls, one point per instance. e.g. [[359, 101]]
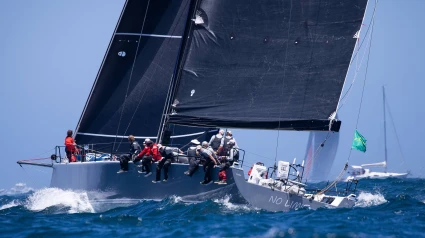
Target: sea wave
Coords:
[[11, 204], [19, 188], [233, 207], [75, 202], [366, 199]]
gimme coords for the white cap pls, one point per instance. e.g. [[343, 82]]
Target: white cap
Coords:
[[204, 144], [229, 132], [148, 141], [221, 132], [198, 147], [195, 141]]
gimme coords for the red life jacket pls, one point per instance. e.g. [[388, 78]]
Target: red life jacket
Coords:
[[222, 175], [69, 144], [155, 153]]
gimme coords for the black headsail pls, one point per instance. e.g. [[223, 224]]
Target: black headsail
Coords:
[[130, 90], [266, 64]]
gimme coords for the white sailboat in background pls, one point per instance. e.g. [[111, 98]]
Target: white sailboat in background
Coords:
[[364, 171]]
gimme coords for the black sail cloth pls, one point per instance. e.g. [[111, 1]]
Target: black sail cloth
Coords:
[[129, 94], [266, 64]]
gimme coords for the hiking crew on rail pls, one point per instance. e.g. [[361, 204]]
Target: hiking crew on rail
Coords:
[[220, 151]]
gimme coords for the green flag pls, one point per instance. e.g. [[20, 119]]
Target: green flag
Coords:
[[359, 142]]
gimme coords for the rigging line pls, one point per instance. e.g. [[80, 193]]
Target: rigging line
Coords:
[[364, 82], [258, 155], [45, 152], [361, 44], [361, 101], [131, 73], [145, 88], [134, 113], [324, 190], [283, 81], [395, 130], [365, 77], [167, 100], [358, 66], [320, 147]]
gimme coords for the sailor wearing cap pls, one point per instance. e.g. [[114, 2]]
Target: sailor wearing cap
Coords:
[[146, 156], [193, 158]]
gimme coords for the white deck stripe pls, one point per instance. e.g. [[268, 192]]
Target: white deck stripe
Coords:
[[137, 137], [152, 35]]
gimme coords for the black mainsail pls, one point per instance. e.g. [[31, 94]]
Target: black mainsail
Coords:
[[130, 91], [266, 64]]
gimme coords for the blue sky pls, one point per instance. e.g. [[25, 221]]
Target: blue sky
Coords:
[[51, 52]]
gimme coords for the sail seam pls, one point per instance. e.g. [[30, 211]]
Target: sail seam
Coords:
[[151, 35]]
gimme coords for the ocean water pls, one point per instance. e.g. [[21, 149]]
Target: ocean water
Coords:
[[385, 208]]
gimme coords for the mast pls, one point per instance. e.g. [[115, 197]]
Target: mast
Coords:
[[385, 129], [176, 74]]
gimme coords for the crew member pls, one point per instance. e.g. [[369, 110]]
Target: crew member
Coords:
[[216, 140], [193, 158], [146, 155], [70, 147], [134, 150], [226, 161], [225, 143], [169, 154], [210, 163]]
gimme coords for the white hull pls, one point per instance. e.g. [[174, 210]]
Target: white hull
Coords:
[[378, 175]]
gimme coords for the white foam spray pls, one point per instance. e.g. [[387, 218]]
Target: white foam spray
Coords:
[[77, 202], [368, 199], [233, 207], [13, 203]]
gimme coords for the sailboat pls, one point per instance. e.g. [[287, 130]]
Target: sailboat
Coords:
[[268, 65], [129, 96], [363, 171]]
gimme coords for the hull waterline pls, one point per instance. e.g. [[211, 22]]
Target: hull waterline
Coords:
[[102, 177]]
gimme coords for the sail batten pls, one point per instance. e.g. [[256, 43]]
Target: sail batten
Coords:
[[266, 64]]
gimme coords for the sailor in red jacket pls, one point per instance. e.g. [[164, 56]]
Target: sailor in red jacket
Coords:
[[148, 154], [70, 147]]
